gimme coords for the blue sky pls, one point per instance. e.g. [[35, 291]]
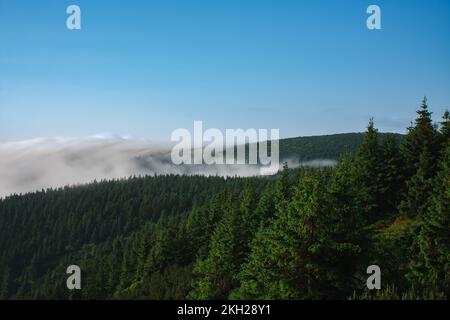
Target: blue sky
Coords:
[[145, 68]]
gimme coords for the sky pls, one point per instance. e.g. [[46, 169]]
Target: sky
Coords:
[[145, 68]]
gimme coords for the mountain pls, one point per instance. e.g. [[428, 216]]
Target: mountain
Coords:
[[42, 163], [324, 146], [132, 237]]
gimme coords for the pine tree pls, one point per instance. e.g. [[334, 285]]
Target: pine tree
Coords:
[[216, 273], [368, 175], [283, 188], [266, 205], [415, 201], [445, 124], [284, 261], [247, 208], [4, 287], [430, 267], [422, 137], [420, 151], [201, 223], [445, 130], [391, 176], [345, 232], [125, 270], [141, 255]]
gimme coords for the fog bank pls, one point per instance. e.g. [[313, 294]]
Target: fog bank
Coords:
[[31, 165]]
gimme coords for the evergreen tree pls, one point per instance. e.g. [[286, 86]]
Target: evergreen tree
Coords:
[[265, 209], [445, 130], [283, 187], [422, 137], [248, 221], [5, 283], [201, 223], [345, 231], [430, 268], [420, 151], [391, 176], [306, 233], [285, 261], [368, 175], [415, 201], [216, 272]]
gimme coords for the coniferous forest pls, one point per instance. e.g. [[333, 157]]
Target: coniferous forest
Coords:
[[307, 233]]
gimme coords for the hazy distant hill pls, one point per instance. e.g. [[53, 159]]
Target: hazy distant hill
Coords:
[[323, 147]]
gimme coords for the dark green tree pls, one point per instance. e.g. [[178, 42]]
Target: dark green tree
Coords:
[[422, 137], [368, 175], [290, 258], [5, 283], [216, 273], [345, 231], [445, 130], [391, 175], [430, 267], [421, 152]]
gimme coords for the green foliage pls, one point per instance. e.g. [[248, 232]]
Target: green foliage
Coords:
[[392, 293], [368, 175], [420, 150], [323, 147], [391, 176], [284, 259], [306, 233], [217, 270], [431, 262], [292, 257]]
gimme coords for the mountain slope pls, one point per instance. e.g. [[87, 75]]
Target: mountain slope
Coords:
[[323, 147]]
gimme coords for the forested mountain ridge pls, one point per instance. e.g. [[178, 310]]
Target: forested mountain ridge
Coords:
[[305, 234], [327, 147]]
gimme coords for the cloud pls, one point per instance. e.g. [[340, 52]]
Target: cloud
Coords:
[[41, 163]]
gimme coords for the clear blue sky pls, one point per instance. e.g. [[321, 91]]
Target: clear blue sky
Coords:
[[145, 68]]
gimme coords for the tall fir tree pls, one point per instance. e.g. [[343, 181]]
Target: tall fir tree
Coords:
[[430, 267], [445, 130], [5, 284], [421, 152], [249, 220], [368, 176], [265, 208], [345, 231], [215, 274], [294, 257], [391, 176], [283, 187], [422, 137]]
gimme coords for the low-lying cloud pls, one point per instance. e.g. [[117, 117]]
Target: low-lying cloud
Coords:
[[37, 164]]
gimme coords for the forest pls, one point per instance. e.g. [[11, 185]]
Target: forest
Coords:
[[306, 233]]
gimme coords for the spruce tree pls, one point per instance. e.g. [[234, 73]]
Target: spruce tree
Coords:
[[286, 257], [420, 151], [415, 201], [345, 231], [445, 131], [215, 274], [391, 176], [5, 284], [421, 138], [283, 188], [368, 175], [250, 220], [430, 267], [266, 205]]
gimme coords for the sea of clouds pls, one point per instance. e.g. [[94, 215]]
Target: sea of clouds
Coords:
[[42, 163]]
